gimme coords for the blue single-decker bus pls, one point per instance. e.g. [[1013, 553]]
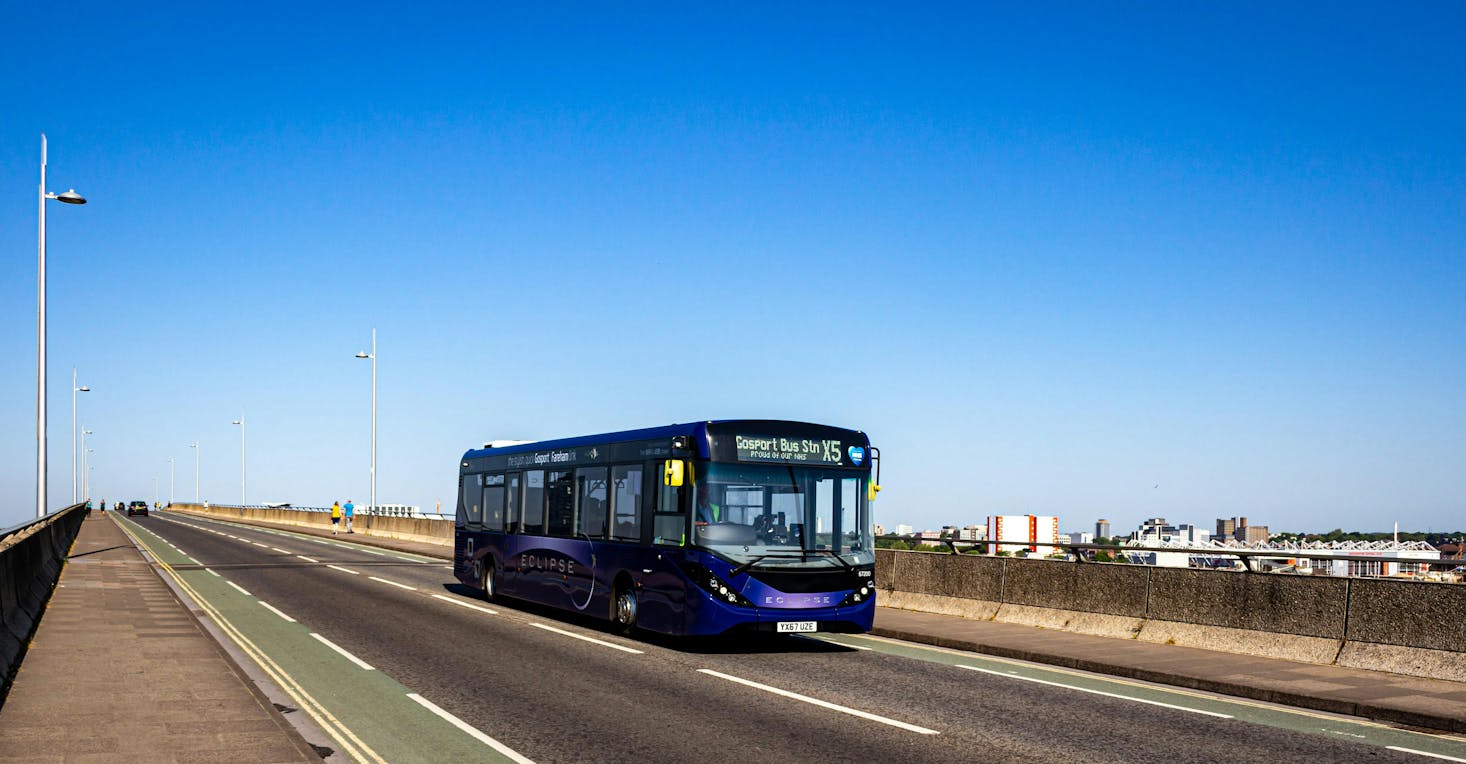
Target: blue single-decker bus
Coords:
[[691, 529]]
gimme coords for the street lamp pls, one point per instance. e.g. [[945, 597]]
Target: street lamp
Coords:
[[195, 446], [155, 490], [372, 510], [74, 391], [85, 494], [170, 481], [242, 494], [70, 197]]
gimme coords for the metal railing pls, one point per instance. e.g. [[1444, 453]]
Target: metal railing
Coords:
[[360, 511], [1251, 559]]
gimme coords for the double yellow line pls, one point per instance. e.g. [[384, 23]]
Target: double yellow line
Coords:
[[344, 737]]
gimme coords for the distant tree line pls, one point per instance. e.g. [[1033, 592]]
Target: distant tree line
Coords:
[[1433, 538]]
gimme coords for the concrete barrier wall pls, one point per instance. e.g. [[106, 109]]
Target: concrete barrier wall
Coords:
[[402, 528], [1407, 627], [30, 564]]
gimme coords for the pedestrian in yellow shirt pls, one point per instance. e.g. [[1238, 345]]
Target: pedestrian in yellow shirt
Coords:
[[335, 516]]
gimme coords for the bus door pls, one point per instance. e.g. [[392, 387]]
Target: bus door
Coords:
[[663, 595]]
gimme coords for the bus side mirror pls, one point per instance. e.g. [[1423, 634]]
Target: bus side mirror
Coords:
[[672, 472], [871, 490]]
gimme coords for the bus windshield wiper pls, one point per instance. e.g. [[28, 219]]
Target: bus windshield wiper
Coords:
[[745, 566], [833, 555]]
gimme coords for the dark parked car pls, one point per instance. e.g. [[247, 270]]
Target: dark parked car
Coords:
[[137, 508]]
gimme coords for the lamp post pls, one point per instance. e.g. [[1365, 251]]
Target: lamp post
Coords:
[[372, 509], [195, 446], [170, 481], [70, 197], [155, 490], [242, 493], [88, 479], [85, 494], [74, 391]]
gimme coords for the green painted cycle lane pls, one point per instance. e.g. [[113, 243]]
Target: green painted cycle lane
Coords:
[[1434, 746], [370, 716]]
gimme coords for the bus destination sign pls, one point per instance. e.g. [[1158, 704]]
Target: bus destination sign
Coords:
[[757, 448]]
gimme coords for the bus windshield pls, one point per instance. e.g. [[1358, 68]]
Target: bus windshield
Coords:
[[782, 516]]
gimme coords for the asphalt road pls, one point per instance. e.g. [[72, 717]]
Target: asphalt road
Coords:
[[555, 688]]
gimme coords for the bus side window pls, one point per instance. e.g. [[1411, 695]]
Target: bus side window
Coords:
[[626, 522], [560, 488], [511, 504], [534, 502], [473, 513], [670, 526], [494, 502], [591, 502]]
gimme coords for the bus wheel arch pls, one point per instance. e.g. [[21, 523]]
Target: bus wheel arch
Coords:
[[624, 603]]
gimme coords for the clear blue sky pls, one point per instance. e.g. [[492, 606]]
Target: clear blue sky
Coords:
[[1094, 263]]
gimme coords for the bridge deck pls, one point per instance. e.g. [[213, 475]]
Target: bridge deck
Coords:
[[119, 669]]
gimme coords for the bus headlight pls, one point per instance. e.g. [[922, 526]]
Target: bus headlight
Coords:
[[865, 592], [717, 587]]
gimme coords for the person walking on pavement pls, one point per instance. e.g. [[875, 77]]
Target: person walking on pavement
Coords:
[[349, 510], [335, 517]]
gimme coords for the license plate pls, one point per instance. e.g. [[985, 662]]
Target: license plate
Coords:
[[796, 626]]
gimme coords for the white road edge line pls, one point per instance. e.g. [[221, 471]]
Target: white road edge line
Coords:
[[461, 603], [1423, 753], [211, 571], [307, 559], [822, 703], [343, 570], [1097, 692], [240, 588], [393, 583], [272, 609], [281, 551], [344, 654], [829, 641], [601, 642], [508, 752]]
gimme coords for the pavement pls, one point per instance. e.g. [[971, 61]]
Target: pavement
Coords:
[[158, 688], [120, 670]]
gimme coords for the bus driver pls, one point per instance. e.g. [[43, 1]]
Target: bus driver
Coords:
[[707, 511]]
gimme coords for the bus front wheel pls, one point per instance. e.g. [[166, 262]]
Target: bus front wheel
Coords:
[[489, 580], [624, 613]]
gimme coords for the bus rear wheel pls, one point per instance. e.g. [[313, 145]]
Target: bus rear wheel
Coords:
[[488, 583], [623, 609]]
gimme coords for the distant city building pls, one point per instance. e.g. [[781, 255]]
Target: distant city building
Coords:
[[1365, 558], [1027, 530], [972, 533], [880, 530], [930, 535], [1253, 534], [1102, 529], [1081, 538], [902, 529], [1191, 534], [1154, 531], [1236, 528]]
